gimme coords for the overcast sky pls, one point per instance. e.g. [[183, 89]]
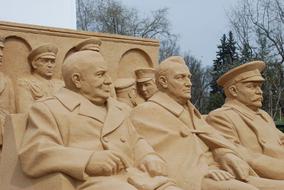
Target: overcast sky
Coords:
[[199, 23]]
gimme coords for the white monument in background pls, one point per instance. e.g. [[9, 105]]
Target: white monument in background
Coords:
[[54, 13]]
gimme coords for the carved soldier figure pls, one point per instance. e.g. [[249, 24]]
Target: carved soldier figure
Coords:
[[7, 97], [178, 132], [82, 132], [125, 89], [245, 124], [146, 86], [41, 83]]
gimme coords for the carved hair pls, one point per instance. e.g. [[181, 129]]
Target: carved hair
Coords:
[[78, 62], [166, 66]]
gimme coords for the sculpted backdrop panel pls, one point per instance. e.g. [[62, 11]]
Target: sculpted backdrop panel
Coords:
[[34, 79], [89, 140]]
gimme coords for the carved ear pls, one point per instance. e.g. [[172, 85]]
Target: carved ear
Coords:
[[233, 90], [34, 64], [163, 81], [76, 79]]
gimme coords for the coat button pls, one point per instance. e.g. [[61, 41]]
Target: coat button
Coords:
[[183, 134], [122, 139]]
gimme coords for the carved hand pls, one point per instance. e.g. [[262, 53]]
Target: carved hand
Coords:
[[235, 166], [154, 165], [219, 175], [105, 163]]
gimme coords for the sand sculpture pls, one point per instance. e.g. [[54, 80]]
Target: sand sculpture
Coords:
[[34, 47], [146, 86], [7, 96], [198, 156], [40, 83], [245, 124], [80, 137], [126, 91], [107, 152]]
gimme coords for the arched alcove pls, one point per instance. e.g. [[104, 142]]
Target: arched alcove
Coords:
[[131, 60], [16, 50]]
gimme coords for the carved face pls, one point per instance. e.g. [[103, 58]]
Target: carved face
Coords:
[[250, 94], [95, 82], [1, 54], [44, 66], [147, 88], [178, 83]]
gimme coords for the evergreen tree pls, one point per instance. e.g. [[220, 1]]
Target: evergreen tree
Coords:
[[246, 53], [226, 58]]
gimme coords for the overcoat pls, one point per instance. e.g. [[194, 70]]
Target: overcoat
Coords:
[[181, 136], [63, 131], [254, 134]]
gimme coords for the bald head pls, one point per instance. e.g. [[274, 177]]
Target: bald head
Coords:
[[167, 66], [173, 78], [79, 62]]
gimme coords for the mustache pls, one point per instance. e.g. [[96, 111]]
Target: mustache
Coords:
[[258, 99]]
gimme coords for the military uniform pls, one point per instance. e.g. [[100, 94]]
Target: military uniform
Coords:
[[253, 132], [145, 79], [34, 87]]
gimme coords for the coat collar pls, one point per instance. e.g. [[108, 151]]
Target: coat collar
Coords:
[[243, 109], [167, 102], [171, 105], [74, 101]]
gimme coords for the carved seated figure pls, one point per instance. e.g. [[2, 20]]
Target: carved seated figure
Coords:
[[146, 86], [7, 97], [40, 84], [125, 89], [179, 133], [11, 175], [245, 124], [84, 133]]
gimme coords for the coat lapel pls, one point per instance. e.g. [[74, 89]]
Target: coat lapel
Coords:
[[187, 118], [111, 119], [247, 115], [79, 104], [115, 116]]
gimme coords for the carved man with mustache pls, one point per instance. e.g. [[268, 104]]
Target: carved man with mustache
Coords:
[[242, 120]]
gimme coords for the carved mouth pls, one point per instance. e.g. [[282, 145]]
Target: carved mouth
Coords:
[[258, 99]]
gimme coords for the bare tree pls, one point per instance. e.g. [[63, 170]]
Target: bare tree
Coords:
[[250, 17], [200, 82], [111, 16], [259, 26]]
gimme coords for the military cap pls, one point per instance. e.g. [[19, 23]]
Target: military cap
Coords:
[[89, 44], [123, 84], [43, 51], [244, 73], [144, 74]]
